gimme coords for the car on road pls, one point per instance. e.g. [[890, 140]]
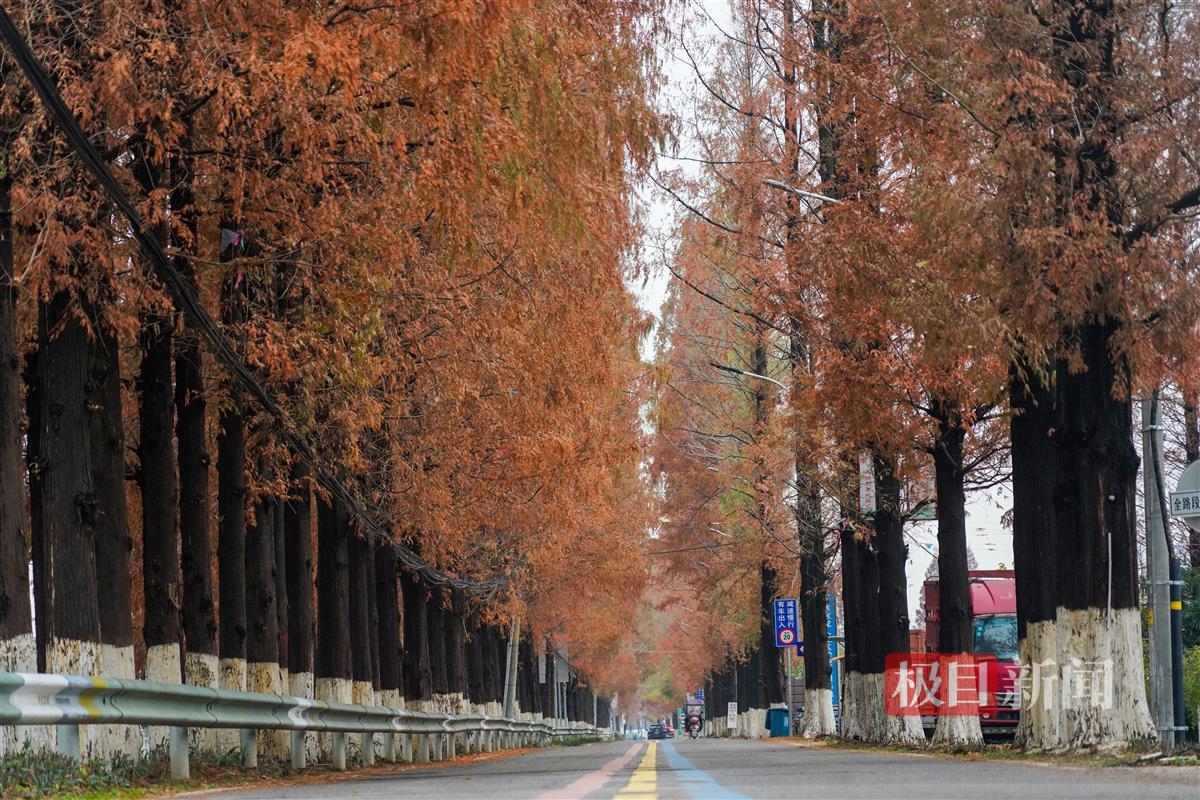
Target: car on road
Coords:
[[656, 731]]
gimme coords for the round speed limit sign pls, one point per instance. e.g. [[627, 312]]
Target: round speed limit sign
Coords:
[[786, 636]]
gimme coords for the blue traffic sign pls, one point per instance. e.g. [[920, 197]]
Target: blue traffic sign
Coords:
[[787, 623], [832, 629]]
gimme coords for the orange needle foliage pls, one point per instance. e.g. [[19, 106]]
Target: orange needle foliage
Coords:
[[437, 193]]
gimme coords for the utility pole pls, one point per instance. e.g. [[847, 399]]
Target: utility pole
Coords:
[[510, 670], [1162, 706]]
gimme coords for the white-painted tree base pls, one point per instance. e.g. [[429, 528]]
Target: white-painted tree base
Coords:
[[958, 732], [1038, 724], [1100, 653], [231, 675], [19, 654], [362, 693], [818, 719], [74, 657], [264, 677], [162, 666], [332, 690], [880, 727], [114, 740], [301, 684], [201, 669]]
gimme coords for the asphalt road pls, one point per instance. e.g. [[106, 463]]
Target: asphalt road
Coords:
[[734, 770]]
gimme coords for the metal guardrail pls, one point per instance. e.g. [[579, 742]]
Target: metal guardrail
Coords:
[[70, 701]]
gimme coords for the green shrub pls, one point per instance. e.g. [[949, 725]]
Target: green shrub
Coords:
[[1191, 684]]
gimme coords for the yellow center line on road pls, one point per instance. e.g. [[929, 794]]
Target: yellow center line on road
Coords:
[[643, 783]]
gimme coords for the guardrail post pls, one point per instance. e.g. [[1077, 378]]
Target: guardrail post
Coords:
[[389, 747], [178, 750], [422, 754], [248, 739], [452, 746], [338, 750], [406, 747], [68, 741], [368, 748], [298, 755]]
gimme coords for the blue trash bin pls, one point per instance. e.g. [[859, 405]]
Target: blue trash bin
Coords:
[[778, 723]]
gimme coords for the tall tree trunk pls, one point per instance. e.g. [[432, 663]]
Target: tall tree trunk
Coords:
[[1033, 432], [333, 660], [892, 553], [818, 700], [1097, 616], [162, 593], [474, 662], [262, 618], [199, 609], [772, 656], [112, 535], [18, 650], [456, 668], [231, 500], [418, 678], [852, 614], [818, 717], [373, 620], [436, 624], [493, 675], [299, 573], [387, 596], [68, 511], [360, 612], [159, 491], [282, 611], [955, 615], [524, 684]]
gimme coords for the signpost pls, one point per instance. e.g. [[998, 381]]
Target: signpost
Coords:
[[787, 630], [1185, 500], [731, 715], [787, 636]]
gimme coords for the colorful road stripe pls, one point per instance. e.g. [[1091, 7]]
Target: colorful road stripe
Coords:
[[698, 783], [643, 784], [592, 781]]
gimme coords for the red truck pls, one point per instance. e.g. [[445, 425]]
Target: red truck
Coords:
[[994, 603]]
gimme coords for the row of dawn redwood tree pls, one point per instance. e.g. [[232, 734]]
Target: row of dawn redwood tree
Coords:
[[413, 224], [946, 243]]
